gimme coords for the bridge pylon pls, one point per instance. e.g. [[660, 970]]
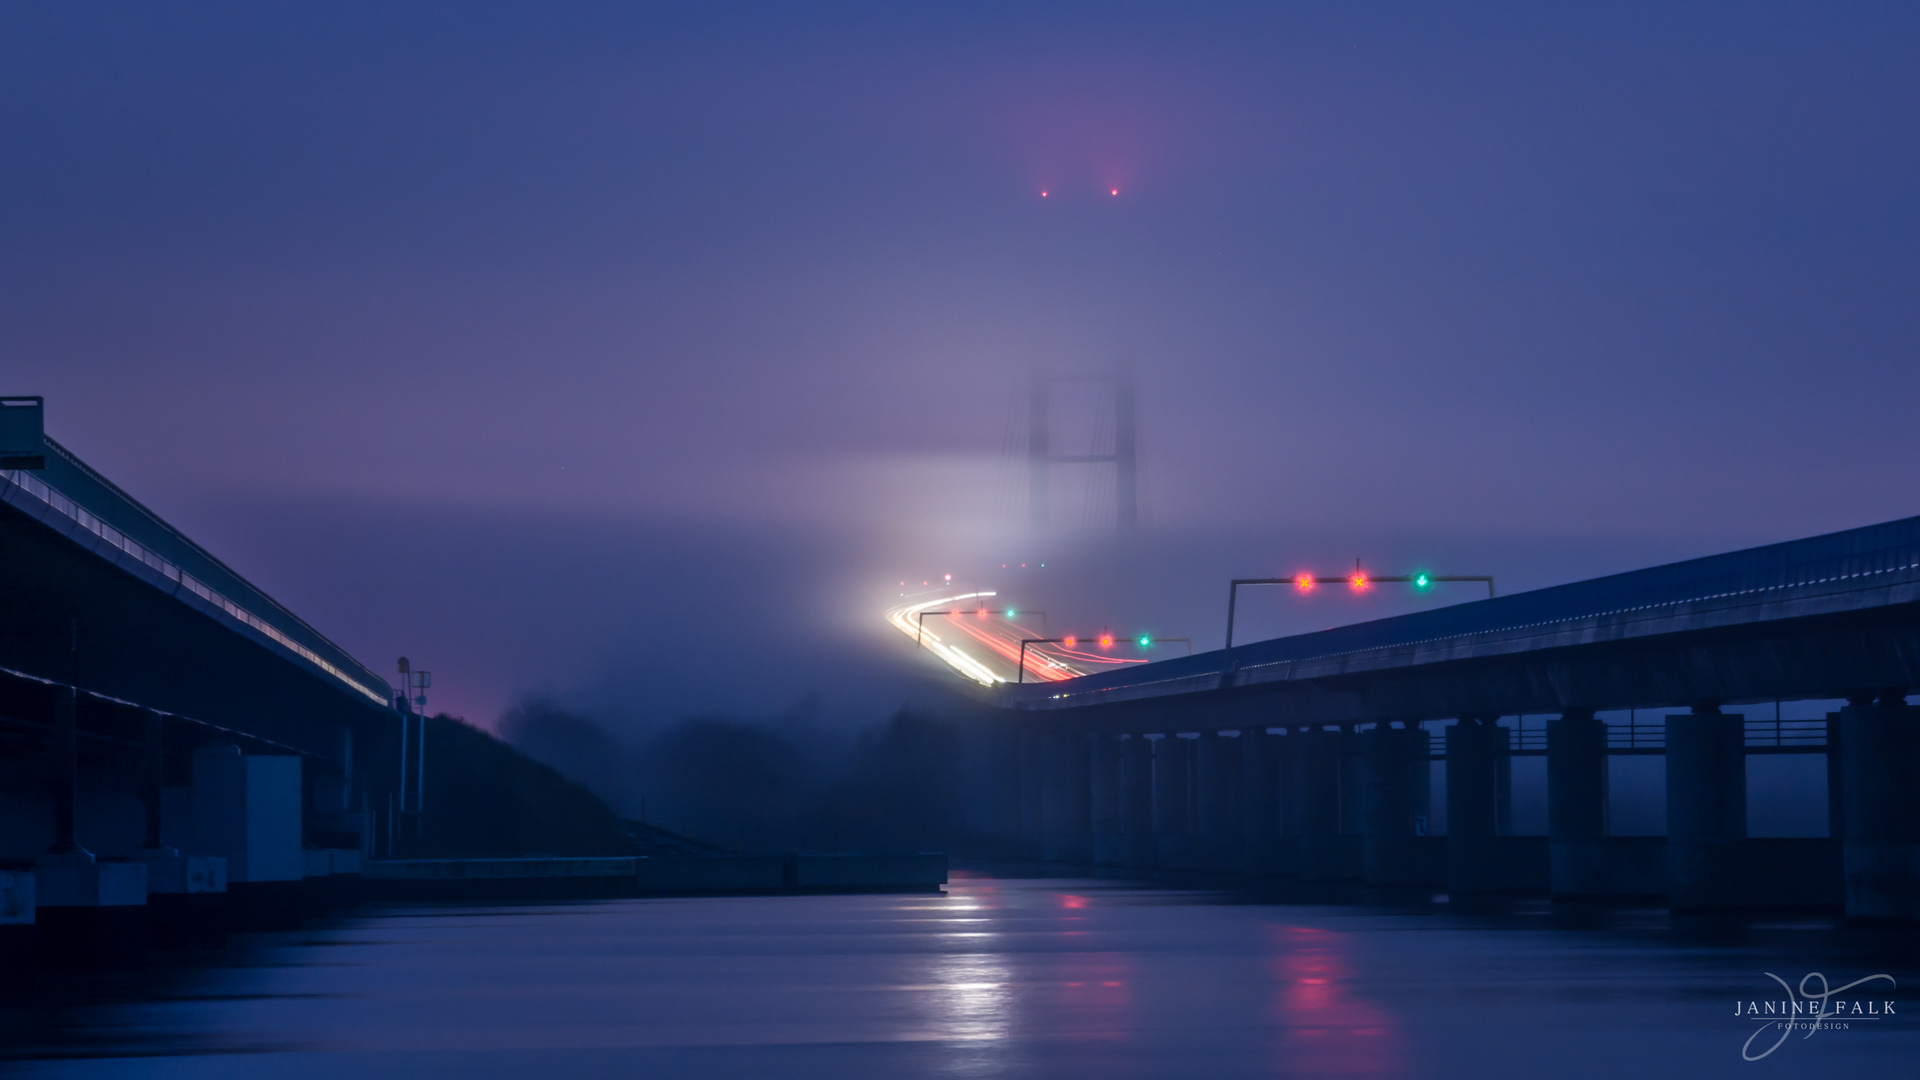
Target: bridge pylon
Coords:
[[1124, 457]]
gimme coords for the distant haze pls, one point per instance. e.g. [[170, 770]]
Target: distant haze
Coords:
[[632, 354]]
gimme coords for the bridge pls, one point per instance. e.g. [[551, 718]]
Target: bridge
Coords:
[[170, 736], [1313, 755]]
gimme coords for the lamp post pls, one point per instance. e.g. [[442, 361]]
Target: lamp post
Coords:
[[413, 702]]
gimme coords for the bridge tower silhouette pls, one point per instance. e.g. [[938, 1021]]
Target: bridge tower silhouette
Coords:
[[1124, 456]]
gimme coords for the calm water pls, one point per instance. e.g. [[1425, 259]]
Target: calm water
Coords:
[[998, 977]]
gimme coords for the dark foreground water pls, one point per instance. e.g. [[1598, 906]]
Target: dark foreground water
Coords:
[[999, 977]]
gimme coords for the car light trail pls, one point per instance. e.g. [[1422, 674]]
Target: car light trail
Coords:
[[980, 644]]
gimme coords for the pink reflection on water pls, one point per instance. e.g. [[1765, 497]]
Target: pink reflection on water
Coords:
[[1093, 999], [1326, 1029]]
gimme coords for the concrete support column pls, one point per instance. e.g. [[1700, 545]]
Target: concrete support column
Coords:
[[1031, 772], [1067, 799], [1108, 848], [87, 913], [1837, 777], [1503, 793], [1706, 808], [1420, 745], [247, 810], [1172, 801], [1136, 800], [1577, 805], [1878, 750], [1473, 749], [1259, 801], [1217, 801], [1352, 771], [1387, 805], [993, 786], [62, 772], [1313, 801], [152, 779]]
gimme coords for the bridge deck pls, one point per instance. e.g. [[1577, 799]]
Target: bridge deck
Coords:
[[75, 501], [1865, 570]]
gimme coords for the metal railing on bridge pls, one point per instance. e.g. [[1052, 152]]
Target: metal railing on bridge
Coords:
[[1638, 733]]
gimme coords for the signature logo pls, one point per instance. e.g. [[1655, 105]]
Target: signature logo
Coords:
[[1813, 1006]]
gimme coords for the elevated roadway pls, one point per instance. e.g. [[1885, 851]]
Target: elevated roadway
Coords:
[[1826, 617]]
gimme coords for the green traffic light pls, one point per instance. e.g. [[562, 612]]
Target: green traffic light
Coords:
[[1422, 582], [1010, 613], [1145, 641]]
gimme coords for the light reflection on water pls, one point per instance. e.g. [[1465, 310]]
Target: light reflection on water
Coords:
[[1326, 1028], [996, 978], [973, 997]]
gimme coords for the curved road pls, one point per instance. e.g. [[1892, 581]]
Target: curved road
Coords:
[[982, 642]]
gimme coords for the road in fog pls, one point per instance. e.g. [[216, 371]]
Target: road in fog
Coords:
[[982, 642]]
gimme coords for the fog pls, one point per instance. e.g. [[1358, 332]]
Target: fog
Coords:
[[626, 359]]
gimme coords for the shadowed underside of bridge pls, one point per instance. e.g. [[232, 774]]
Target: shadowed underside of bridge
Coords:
[[100, 594], [74, 619], [1827, 617]]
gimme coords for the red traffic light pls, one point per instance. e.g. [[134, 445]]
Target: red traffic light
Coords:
[[1303, 582]]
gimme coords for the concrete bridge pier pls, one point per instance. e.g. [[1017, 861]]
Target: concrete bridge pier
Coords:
[[186, 894], [1352, 771], [1032, 769], [89, 913], [1136, 802], [1706, 809], [1173, 802], [1067, 799], [1474, 745], [993, 795], [247, 809], [1217, 801], [1392, 851], [1577, 806], [1879, 751], [1109, 849], [1313, 805], [1260, 802]]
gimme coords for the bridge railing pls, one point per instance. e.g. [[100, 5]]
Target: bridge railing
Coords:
[[1775, 733]]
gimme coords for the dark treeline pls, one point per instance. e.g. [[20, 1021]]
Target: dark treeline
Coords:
[[782, 784]]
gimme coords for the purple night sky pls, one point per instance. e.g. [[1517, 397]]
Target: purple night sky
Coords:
[[629, 353]]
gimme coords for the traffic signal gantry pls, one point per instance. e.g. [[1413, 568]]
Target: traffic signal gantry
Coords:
[[1359, 581], [1104, 639]]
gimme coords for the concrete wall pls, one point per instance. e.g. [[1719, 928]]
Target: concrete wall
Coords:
[[246, 809]]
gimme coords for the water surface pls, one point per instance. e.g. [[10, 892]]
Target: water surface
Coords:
[[998, 977]]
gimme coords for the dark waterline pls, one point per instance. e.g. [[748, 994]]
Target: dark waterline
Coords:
[[1000, 976]]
